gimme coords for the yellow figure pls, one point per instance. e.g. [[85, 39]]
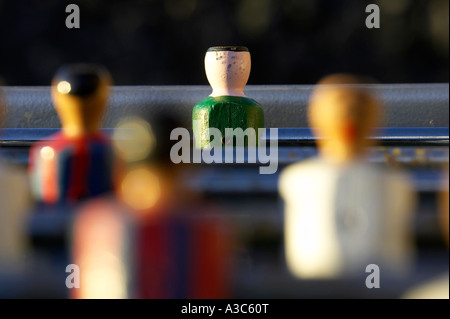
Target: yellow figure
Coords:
[[80, 93], [77, 162]]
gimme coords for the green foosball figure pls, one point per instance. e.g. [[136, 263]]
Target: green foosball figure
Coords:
[[227, 69]]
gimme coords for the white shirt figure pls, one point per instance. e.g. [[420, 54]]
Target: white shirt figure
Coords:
[[437, 288], [341, 218], [341, 213]]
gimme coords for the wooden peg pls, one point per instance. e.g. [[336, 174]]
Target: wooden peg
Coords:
[[102, 248], [76, 162], [342, 213], [438, 286], [182, 248], [227, 69]]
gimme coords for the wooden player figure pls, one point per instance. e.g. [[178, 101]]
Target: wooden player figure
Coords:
[[341, 213], [153, 240], [75, 163], [101, 246], [438, 286], [183, 247], [15, 202], [227, 69]]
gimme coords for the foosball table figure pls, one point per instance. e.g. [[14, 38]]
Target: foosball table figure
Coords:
[[102, 248], [183, 246], [75, 163], [341, 213], [153, 240], [227, 69], [15, 201], [438, 286]]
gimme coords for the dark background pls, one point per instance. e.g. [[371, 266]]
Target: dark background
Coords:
[[163, 42]]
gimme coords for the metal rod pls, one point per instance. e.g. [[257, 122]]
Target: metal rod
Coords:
[[286, 136], [406, 105]]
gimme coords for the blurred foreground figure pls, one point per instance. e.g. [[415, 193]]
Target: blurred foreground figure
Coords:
[[437, 288], [75, 163], [102, 249], [156, 240], [341, 213], [14, 204], [183, 247]]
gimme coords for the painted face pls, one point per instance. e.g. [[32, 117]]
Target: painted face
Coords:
[[227, 69]]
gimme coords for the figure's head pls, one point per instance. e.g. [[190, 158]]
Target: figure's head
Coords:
[[228, 69], [343, 113], [80, 93]]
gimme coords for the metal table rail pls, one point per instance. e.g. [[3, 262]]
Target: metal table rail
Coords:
[[405, 105], [285, 136]]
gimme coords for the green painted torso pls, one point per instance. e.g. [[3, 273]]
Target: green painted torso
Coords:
[[226, 112]]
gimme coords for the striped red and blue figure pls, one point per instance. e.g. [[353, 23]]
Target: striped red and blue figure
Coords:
[[77, 162], [184, 254], [182, 246]]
